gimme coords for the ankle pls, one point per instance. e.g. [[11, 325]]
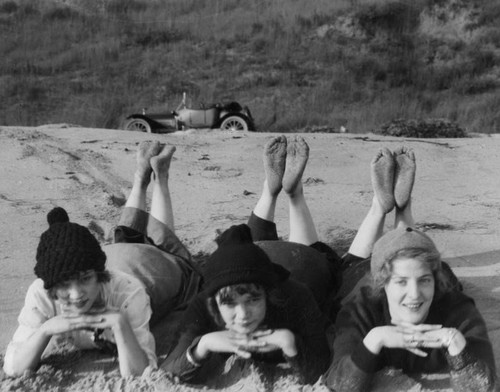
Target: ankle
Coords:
[[376, 209], [297, 192], [142, 180]]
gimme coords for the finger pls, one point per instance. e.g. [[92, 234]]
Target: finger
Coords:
[[91, 318], [417, 351], [242, 353], [97, 310], [261, 333], [256, 343], [430, 344], [416, 327]]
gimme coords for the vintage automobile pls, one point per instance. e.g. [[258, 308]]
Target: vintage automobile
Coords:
[[226, 116]]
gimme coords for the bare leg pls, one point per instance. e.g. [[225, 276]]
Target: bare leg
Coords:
[[404, 216], [372, 227], [302, 229], [369, 231], [161, 202], [382, 173], [142, 176], [404, 175], [274, 167]]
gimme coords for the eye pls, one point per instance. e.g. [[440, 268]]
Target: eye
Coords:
[[86, 278], [400, 282], [62, 286], [255, 299], [426, 280]]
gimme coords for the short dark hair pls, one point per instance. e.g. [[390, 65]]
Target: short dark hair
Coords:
[[227, 293], [102, 277]]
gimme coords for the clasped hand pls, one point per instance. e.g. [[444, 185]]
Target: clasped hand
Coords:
[[104, 319], [415, 337], [244, 345]]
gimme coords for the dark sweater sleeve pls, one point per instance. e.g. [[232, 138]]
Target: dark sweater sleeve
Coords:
[[474, 368], [309, 326], [195, 323], [353, 365]]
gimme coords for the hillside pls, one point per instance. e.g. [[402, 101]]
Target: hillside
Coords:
[[299, 65]]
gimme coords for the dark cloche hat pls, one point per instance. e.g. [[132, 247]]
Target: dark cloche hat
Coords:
[[238, 260]]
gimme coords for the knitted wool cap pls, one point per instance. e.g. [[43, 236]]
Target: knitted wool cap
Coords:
[[65, 249], [394, 241], [237, 260]]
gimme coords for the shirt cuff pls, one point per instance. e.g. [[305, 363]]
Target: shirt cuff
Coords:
[[190, 358], [461, 360], [365, 359], [189, 353]]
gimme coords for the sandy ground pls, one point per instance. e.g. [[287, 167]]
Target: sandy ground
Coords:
[[215, 181]]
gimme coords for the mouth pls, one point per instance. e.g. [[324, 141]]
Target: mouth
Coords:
[[413, 307], [244, 325], [78, 304]]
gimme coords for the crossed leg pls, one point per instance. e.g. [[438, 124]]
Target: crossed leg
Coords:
[[383, 167], [284, 164]]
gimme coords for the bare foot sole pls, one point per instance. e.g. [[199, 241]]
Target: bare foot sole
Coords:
[[147, 149], [382, 174], [297, 154], [161, 162], [274, 163], [404, 175]]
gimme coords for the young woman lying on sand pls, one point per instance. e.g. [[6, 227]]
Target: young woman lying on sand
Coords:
[[95, 297], [256, 308], [415, 317]]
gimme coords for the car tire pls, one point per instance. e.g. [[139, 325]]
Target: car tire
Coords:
[[234, 122], [138, 124]]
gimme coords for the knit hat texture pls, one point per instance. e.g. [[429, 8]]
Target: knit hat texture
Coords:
[[394, 241], [66, 248], [238, 260]]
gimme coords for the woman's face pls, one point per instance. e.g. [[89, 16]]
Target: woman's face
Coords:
[[410, 290], [243, 313], [77, 296]]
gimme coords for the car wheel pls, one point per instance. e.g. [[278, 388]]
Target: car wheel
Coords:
[[234, 123], [137, 124]]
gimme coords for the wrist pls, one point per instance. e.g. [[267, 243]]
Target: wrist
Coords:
[[456, 342], [118, 323], [290, 349], [373, 341], [44, 330], [200, 351]]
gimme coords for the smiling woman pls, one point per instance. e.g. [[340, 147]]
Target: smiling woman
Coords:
[[414, 317], [105, 298], [251, 305]]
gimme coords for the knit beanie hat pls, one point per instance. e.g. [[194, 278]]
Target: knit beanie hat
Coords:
[[65, 249], [238, 260], [394, 241]]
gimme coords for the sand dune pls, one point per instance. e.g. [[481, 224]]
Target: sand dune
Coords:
[[215, 181]]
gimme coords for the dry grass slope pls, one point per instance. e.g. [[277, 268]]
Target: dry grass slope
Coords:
[[297, 64]]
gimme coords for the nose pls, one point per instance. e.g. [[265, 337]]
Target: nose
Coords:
[[413, 290], [242, 312], [75, 291]]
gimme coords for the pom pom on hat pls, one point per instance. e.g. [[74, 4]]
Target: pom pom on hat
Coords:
[[396, 240], [65, 249], [57, 215]]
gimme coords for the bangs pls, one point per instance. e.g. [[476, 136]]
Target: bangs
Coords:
[[228, 293]]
